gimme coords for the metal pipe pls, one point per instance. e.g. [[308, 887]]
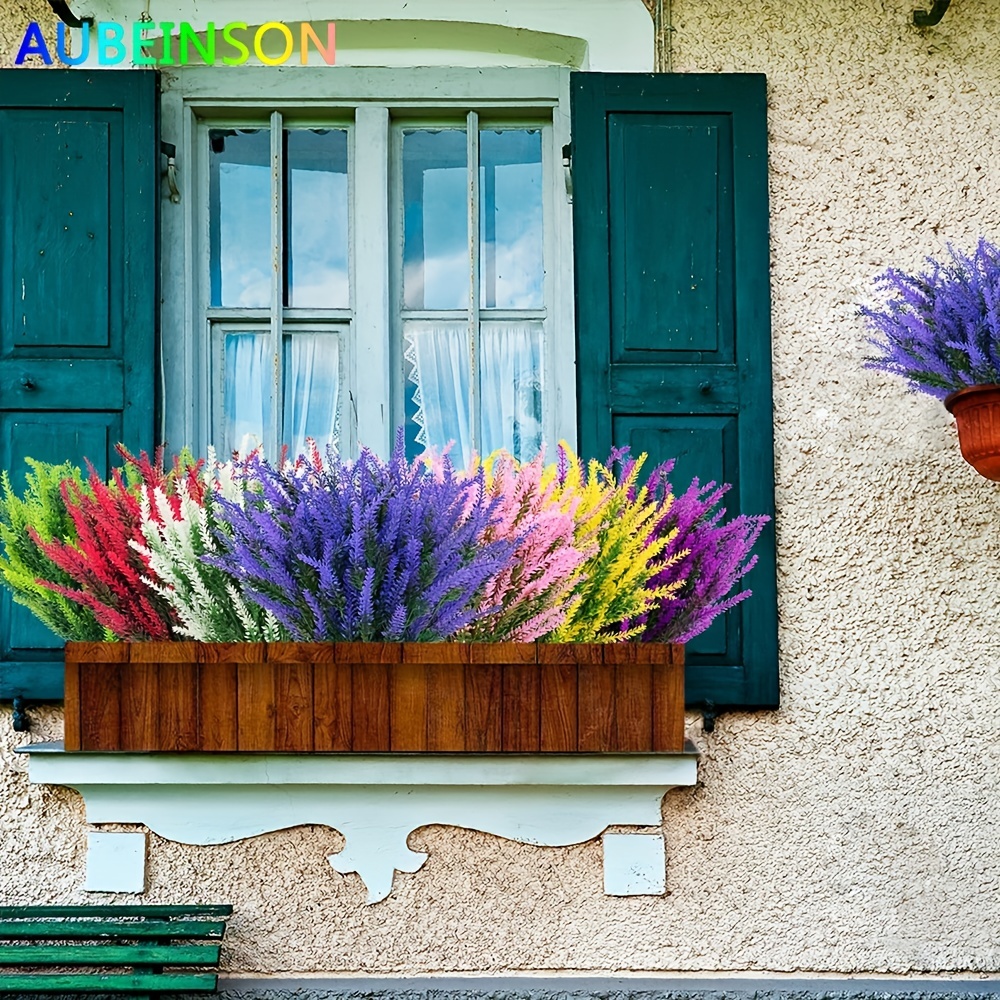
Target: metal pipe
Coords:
[[61, 9], [928, 18]]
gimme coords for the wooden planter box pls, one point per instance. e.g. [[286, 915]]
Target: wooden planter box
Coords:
[[375, 697]]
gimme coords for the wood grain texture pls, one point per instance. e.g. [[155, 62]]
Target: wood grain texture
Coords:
[[559, 707], [140, 706], [446, 706], [71, 713], [333, 708], [293, 696], [256, 706], [668, 703], [596, 708], [483, 704], [375, 697], [370, 664], [633, 707], [521, 708], [407, 706], [100, 705]]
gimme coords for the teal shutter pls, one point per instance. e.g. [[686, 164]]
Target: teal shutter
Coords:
[[78, 201], [673, 316]]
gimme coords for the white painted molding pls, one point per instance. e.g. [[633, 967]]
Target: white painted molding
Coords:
[[375, 801], [597, 35]]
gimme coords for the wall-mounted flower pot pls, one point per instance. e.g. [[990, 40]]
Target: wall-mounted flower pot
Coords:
[[977, 414], [375, 697]]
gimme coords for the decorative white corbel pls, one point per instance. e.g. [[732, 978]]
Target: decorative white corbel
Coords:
[[376, 801]]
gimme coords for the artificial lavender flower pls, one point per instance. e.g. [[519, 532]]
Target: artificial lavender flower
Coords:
[[706, 556], [366, 550], [940, 329]]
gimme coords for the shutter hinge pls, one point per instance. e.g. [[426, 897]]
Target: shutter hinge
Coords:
[[21, 722], [567, 161], [709, 716], [169, 150]]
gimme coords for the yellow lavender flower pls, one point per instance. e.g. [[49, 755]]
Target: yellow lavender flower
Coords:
[[619, 517]]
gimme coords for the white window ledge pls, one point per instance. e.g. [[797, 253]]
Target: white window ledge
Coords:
[[375, 801]]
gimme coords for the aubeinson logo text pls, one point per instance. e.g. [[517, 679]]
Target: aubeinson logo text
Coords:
[[229, 45]]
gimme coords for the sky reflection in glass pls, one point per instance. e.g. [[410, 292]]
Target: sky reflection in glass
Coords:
[[436, 219], [240, 217], [316, 161], [510, 219]]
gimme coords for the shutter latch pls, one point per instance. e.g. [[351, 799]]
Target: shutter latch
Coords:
[[169, 150], [567, 160]]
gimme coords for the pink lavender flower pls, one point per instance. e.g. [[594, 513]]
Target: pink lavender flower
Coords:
[[532, 592]]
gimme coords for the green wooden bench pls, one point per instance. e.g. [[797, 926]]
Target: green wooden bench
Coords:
[[136, 950]]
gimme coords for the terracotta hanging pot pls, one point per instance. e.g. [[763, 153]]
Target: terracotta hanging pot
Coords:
[[977, 414]]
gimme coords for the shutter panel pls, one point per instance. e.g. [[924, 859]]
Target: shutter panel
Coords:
[[673, 316], [78, 202]]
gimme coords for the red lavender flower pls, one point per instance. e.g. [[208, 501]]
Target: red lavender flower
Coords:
[[108, 572]]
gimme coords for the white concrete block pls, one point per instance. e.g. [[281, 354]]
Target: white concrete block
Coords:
[[634, 864], [116, 862]]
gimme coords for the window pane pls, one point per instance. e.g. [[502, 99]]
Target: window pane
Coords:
[[510, 216], [436, 219], [512, 388], [240, 217], [246, 392], [311, 390], [317, 227], [437, 390]]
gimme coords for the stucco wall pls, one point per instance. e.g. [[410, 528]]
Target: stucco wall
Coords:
[[15, 15], [854, 830]]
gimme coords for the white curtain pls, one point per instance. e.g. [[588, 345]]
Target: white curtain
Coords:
[[246, 399], [512, 388], [312, 390], [511, 406], [439, 362]]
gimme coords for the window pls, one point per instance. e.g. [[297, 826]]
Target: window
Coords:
[[277, 333], [369, 264], [317, 260]]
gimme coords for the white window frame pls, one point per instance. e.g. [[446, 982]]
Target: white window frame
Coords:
[[373, 396]]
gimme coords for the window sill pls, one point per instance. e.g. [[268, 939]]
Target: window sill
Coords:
[[374, 800]]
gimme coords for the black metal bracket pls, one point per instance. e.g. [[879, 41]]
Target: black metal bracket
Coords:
[[708, 717], [928, 18], [22, 722], [61, 10]]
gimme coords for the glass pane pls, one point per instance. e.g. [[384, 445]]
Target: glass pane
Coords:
[[311, 390], [246, 392], [317, 227], [437, 390], [512, 388], [240, 217], [435, 219], [510, 219]]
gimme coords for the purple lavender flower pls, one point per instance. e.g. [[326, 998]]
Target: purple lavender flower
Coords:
[[940, 329], [366, 550], [717, 555]]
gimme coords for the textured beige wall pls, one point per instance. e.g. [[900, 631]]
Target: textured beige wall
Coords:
[[15, 16], [855, 830]]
